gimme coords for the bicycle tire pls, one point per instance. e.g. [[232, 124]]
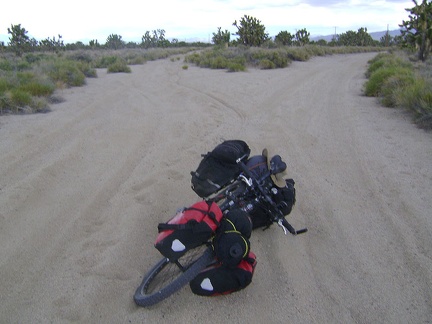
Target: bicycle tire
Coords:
[[193, 262]]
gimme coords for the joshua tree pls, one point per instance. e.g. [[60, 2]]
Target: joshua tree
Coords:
[[19, 40], [417, 30], [250, 31]]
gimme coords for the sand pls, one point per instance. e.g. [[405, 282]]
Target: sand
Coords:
[[82, 189]]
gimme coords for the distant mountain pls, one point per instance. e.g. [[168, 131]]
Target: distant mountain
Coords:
[[375, 35]]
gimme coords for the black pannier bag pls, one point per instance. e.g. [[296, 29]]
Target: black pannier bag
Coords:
[[284, 198], [282, 194], [219, 167]]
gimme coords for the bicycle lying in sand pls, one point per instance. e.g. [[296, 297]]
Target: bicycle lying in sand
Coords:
[[245, 192]]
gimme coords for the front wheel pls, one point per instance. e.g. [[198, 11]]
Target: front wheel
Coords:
[[166, 277]]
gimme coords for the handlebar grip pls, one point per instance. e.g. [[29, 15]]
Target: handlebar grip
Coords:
[[291, 229], [303, 230], [288, 227]]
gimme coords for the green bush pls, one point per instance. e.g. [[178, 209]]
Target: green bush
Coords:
[[67, 72], [21, 98], [418, 97], [373, 87], [32, 58], [119, 66], [393, 87], [236, 67], [383, 60], [193, 58], [298, 54], [5, 65], [400, 84], [87, 69], [104, 61], [5, 103], [266, 64], [134, 59], [38, 89], [218, 62], [4, 85], [279, 59], [80, 56]]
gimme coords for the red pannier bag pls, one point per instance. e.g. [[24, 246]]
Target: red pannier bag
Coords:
[[188, 229]]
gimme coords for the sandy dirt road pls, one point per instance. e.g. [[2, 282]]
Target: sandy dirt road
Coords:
[[83, 188]]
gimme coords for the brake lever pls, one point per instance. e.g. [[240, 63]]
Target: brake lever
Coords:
[[245, 179], [283, 227], [290, 228]]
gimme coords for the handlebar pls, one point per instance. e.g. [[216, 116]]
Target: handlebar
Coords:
[[287, 227], [279, 218]]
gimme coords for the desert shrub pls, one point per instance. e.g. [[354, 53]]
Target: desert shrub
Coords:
[[32, 58], [298, 54], [80, 56], [5, 65], [398, 83], [119, 66], [38, 89], [156, 54], [383, 60], [104, 61], [40, 105], [5, 103], [316, 50], [22, 65], [393, 87], [236, 67], [266, 64], [136, 60], [279, 59], [193, 58], [87, 69], [20, 98], [218, 62], [373, 87], [4, 85], [25, 77], [67, 72], [418, 97]]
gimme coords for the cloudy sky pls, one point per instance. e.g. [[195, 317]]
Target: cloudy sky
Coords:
[[83, 20]]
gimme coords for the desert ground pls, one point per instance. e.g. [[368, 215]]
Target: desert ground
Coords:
[[82, 189]]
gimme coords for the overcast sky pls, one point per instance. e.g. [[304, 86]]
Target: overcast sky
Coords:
[[80, 20]]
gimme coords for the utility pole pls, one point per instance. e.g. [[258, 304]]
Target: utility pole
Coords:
[[387, 36]]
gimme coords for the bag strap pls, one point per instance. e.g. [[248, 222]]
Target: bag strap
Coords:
[[210, 214], [166, 226]]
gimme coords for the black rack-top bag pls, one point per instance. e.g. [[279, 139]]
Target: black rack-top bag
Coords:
[[219, 167]]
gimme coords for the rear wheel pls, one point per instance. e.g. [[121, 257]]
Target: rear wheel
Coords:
[[166, 277]]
